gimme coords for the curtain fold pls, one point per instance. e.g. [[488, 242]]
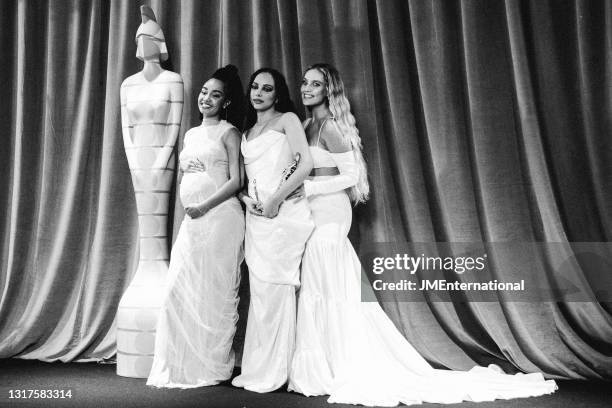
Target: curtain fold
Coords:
[[482, 121]]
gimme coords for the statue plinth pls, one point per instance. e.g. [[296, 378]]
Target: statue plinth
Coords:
[[139, 307]]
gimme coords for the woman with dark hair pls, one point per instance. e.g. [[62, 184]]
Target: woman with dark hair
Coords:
[[197, 322], [277, 161], [345, 348]]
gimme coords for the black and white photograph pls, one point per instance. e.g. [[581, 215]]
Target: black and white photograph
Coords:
[[306, 203]]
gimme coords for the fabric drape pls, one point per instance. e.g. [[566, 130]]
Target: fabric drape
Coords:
[[482, 121]]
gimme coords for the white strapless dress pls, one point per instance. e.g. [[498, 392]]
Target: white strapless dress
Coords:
[[197, 322], [273, 252], [351, 351]]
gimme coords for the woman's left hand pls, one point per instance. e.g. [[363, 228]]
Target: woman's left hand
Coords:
[[270, 209], [195, 211]]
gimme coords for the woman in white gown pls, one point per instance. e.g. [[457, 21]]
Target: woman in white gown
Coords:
[[275, 234], [345, 348], [197, 322]]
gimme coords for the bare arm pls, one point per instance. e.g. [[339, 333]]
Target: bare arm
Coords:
[[252, 205], [333, 140], [341, 152], [297, 141], [231, 141]]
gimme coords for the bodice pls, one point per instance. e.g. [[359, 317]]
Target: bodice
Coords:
[[265, 158], [321, 157], [204, 143]]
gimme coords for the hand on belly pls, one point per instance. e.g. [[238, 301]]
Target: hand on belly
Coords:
[[196, 187]]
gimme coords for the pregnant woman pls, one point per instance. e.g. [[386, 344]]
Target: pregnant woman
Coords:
[[345, 348], [275, 234], [193, 344]]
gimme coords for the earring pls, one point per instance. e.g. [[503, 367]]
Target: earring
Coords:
[[225, 105]]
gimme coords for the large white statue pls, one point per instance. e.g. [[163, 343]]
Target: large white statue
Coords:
[[151, 107]]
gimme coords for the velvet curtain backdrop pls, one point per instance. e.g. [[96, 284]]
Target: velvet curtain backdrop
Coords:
[[481, 121]]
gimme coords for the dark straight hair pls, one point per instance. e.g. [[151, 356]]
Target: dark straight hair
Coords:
[[284, 103]]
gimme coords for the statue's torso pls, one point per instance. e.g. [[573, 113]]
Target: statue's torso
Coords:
[[152, 113]]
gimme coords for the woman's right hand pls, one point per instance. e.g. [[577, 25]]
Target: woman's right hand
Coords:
[[193, 166], [253, 206]]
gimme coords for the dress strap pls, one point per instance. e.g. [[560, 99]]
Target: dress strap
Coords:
[[320, 129]]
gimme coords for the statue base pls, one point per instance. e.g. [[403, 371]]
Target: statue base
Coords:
[[137, 319]]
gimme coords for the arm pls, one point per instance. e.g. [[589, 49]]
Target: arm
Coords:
[[189, 165], [173, 120], [342, 154], [231, 141], [243, 193], [297, 141], [252, 206], [348, 177]]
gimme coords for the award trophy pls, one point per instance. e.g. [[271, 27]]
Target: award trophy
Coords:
[[151, 108]]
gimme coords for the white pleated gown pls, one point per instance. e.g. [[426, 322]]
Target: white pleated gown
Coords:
[[197, 322], [351, 351], [273, 252]]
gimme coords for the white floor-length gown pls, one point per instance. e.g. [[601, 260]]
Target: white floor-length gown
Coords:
[[197, 322], [350, 350], [273, 252]]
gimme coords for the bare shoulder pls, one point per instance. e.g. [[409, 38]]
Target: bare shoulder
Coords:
[[290, 119], [190, 131], [231, 135], [333, 139]]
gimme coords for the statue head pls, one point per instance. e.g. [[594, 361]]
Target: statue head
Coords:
[[150, 40]]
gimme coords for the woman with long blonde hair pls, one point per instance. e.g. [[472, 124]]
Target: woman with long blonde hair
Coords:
[[345, 348]]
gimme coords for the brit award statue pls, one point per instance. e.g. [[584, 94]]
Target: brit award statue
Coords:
[[151, 108]]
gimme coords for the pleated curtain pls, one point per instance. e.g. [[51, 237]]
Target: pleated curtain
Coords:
[[481, 120]]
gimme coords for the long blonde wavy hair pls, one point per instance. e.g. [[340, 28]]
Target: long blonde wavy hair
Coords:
[[340, 109]]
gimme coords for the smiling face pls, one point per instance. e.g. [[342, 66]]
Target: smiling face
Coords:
[[263, 92], [313, 88], [212, 98]]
